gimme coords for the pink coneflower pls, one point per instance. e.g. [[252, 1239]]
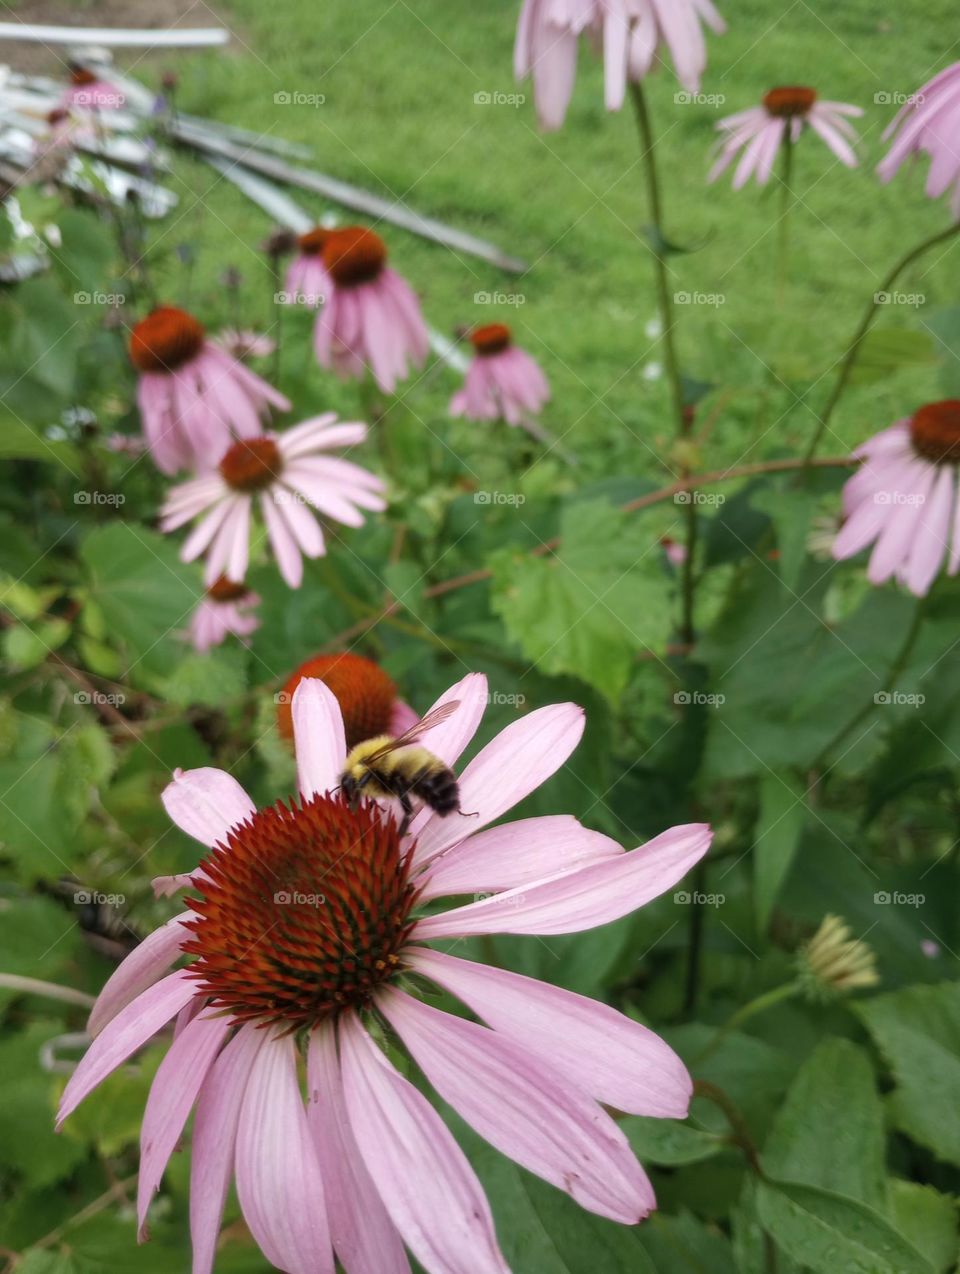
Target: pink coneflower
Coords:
[[760, 131], [243, 343], [307, 281], [88, 93], [674, 551], [902, 499], [928, 122], [291, 475], [371, 320], [310, 937], [633, 34], [503, 382], [368, 698], [225, 608], [193, 397]]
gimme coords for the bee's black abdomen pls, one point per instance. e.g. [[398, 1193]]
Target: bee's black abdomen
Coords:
[[440, 790]]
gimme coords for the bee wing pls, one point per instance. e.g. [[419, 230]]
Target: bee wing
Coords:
[[419, 727]]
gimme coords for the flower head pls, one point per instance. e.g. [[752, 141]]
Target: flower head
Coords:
[[927, 123], [87, 92], [367, 697], [633, 33], [311, 935], [289, 475], [224, 608], [307, 281], [902, 499], [503, 382], [371, 320], [193, 396], [834, 963], [760, 132]]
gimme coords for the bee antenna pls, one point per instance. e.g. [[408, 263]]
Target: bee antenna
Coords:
[[469, 813]]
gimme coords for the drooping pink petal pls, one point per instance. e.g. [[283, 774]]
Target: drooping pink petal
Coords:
[[215, 1139], [427, 1186], [278, 1176], [145, 964], [205, 803], [364, 1238], [582, 899], [520, 1105], [132, 1027], [615, 1059], [175, 1086], [318, 736]]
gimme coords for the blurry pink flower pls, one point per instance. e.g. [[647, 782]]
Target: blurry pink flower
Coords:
[[125, 444], [292, 477], [371, 319], [307, 281], [244, 343], [193, 397], [632, 33], [676, 553], [224, 609], [88, 93], [902, 499], [760, 131], [503, 382], [928, 122], [311, 933]]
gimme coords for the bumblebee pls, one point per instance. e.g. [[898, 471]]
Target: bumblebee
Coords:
[[387, 767]]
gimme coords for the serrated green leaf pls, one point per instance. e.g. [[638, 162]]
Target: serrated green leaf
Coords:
[[918, 1032], [87, 760], [829, 1131], [591, 608], [28, 1144], [829, 1233], [212, 680]]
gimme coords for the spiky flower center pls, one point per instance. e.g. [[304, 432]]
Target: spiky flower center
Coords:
[[305, 911], [226, 590], [354, 255], [790, 101], [493, 338], [165, 340], [314, 241], [935, 432], [251, 464], [364, 691], [80, 77]]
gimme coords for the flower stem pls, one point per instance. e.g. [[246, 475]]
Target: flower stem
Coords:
[[670, 358], [50, 990], [866, 322], [786, 206], [746, 1011]]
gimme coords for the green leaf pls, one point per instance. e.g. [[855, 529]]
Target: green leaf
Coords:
[[783, 812], [87, 760], [829, 1233], [668, 1141], [918, 1032], [829, 1132], [589, 609], [19, 442], [888, 349], [685, 1245], [212, 680], [144, 592], [34, 827], [928, 1219], [27, 647], [28, 1144]]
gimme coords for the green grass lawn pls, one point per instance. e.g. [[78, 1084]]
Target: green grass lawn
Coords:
[[399, 117]]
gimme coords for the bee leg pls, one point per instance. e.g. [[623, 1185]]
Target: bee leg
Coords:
[[407, 813]]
